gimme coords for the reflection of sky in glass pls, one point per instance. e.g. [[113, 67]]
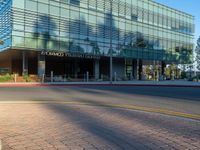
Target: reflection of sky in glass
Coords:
[[49, 25], [191, 7], [5, 27]]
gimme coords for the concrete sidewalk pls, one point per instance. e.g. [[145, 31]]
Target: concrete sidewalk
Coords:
[[175, 83]]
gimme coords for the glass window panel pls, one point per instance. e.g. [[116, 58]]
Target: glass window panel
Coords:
[[18, 27], [30, 43], [43, 8], [74, 14], [54, 10], [18, 41], [64, 12], [18, 4], [31, 5]]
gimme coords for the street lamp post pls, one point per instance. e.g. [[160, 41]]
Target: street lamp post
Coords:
[[111, 65]]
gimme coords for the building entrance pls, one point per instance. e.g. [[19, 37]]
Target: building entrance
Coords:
[[69, 67]]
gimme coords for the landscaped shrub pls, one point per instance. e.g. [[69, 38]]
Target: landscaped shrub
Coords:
[[26, 77], [5, 78]]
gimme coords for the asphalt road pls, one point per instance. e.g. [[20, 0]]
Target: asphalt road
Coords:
[[173, 98], [91, 118]]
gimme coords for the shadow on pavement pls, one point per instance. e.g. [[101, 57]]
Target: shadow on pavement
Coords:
[[106, 131], [121, 137]]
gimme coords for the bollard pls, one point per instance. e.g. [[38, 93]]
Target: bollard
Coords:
[[131, 76], [15, 77], [115, 76], [43, 75], [87, 76], [51, 76]]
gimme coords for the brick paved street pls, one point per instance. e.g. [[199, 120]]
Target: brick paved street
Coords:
[[79, 127], [44, 118]]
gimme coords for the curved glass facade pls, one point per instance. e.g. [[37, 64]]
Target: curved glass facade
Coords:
[[5, 24], [140, 29]]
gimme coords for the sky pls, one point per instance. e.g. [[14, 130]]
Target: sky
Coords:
[[190, 6]]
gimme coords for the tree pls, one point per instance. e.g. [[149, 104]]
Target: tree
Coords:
[[197, 50], [1, 42]]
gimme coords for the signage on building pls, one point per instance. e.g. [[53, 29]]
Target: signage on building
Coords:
[[67, 54], [49, 53]]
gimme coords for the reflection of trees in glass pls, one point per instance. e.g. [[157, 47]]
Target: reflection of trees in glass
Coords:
[[45, 27], [42, 29], [197, 50], [132, 41], [75, 2], [105, 29], [84, 27], [187, 56], [137, 40], [184, 54], [64, 46], [140, 41], [95, 47], [73, 47]]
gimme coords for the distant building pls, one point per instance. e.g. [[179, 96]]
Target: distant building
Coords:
[[72, 37]]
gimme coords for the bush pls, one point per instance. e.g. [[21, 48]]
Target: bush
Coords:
[[195, 78], [5, 78], [26, 77], [183, 75]]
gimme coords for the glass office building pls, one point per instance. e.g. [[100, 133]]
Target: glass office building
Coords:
[[75, 36]]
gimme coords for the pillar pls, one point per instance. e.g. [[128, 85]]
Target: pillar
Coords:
[[24, 63], [41, 65], [140, 70], [96, 69], [135, 69], [163, 66], [76, 68]]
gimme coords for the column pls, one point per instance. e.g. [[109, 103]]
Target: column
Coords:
[[41, 65], [135, 69], [140, 70], [96, 69], [163, 66], [76, 68], [24, 63]]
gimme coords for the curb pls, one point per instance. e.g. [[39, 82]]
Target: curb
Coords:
[[92, 84]]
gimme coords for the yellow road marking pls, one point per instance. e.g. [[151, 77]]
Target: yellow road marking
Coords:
[[132, 107]]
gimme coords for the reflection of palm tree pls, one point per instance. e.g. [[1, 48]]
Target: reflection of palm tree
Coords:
[[103, 29], [140, 41], [42, 29], [184, 55], [95, 47], [75, 48], [75, 2]]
